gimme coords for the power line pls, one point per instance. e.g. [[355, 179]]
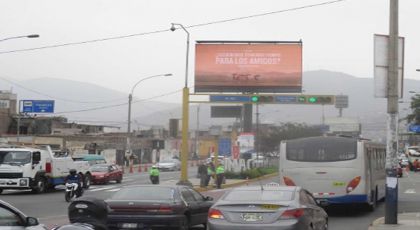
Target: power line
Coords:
[[117, 105], [166, 30], [57, 98]]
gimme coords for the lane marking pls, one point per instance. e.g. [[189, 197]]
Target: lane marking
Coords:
[[114, 190]]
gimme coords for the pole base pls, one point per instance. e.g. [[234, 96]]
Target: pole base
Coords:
[[185, 183]]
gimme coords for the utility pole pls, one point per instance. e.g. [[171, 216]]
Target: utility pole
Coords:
[[391, 200], [197, 131], [257, 132]]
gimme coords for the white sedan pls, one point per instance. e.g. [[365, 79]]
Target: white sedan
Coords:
[[169, 165], [13, 219]]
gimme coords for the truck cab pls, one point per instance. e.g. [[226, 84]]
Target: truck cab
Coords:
[[38, 169]]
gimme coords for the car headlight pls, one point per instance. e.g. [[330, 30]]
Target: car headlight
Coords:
[[23, 182]]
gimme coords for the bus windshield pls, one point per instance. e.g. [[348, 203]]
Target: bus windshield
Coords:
[[321, 149]]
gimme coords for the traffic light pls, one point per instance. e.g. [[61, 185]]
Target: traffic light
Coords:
[[262, 99], [320, 99]]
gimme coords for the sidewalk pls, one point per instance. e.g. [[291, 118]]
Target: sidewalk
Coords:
[[406, 221], [229, 182]]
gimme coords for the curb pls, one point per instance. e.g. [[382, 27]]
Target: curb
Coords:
[[200, 189]]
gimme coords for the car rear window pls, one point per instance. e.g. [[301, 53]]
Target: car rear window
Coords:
[[145, 193], [259, 195]]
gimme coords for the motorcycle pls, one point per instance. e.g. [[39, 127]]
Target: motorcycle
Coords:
[[154, 179], [71, 191]]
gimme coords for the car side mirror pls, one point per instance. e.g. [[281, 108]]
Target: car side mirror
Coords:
[[32, 221], [208, 198]]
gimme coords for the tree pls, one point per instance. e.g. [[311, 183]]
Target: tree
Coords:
[[414, 117], [270, 140]]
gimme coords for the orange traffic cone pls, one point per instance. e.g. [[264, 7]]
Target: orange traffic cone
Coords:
[[139, 169], [145, 167], [131, 168]]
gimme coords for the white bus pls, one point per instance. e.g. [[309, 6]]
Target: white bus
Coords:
[[337, 170]]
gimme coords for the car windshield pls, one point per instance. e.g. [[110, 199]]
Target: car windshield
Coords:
[[259, 195], [145, 193], [99, 169], [167, 161], [15, 157]]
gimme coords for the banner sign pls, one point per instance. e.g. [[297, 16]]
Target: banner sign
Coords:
[[256, 67], [37, 106]]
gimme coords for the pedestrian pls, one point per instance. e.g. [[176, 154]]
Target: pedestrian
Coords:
[[416, 165], [210, 172], [202, 172], [220, 175]]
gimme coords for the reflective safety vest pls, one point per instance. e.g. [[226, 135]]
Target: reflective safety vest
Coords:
[[154, 172], [220, 170], [209, 171]]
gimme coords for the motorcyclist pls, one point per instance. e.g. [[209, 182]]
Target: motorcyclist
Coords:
[[87, 213], [73, 177], [154, 175]]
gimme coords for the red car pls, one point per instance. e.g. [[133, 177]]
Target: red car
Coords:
[[103, 173]]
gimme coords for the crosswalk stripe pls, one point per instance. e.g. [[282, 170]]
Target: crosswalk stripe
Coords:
[[114, 190], [410, 191], [103, 188]]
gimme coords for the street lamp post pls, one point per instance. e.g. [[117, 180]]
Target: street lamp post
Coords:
[[130, 99], [185, 114], [24, 36], [18, 118]]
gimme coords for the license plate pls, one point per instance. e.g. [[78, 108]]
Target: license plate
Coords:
[[338, 183], [251, 217], [129, 225]]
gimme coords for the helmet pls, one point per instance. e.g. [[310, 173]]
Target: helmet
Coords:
[[89, 210], [73, 171], [154, 167]]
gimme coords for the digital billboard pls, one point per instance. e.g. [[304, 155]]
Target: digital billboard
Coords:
[[253, 67]]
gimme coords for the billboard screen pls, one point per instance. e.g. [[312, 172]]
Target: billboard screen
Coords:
[[256, 67]]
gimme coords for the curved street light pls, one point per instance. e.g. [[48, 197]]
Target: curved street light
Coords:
[[130, 99], [24, 36], [185, 114], [18, 119]]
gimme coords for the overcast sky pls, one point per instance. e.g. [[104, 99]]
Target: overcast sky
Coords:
[[337, 37]]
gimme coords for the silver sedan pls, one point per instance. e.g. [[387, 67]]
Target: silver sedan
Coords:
[[267, 207]]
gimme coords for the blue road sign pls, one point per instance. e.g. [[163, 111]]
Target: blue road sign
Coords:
[[286, 99], [229, 98], [414, 128], [224, 147], [37, 106]]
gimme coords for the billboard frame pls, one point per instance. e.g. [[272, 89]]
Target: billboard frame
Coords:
[[220, 88]]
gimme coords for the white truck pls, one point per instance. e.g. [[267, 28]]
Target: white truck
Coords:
[[37, 168]]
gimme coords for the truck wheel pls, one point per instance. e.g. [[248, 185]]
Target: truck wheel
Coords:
[[41, 185], [1, 190], [87, 181]]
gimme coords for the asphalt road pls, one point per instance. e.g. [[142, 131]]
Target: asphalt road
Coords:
[[51, 208]]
